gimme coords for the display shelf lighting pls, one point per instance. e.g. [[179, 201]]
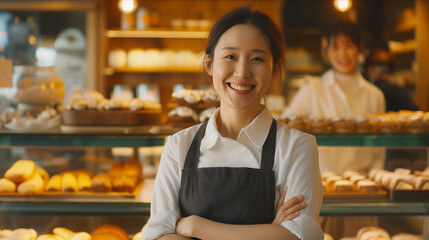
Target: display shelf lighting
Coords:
[[343, 5], [127, 6]]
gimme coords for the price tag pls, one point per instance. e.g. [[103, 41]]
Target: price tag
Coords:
[[6, 73]]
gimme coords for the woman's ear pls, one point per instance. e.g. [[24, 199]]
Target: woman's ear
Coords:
[[208, 65]]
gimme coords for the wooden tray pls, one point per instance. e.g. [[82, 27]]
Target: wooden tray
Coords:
[[69, 197], [408, 195], [111, 117]]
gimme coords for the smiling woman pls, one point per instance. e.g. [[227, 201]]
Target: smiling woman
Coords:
[[227, 178]]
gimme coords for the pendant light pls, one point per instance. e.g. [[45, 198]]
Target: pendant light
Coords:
[[343, 5], [127, 6]]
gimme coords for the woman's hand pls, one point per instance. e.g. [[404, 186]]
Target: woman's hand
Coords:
[[290, 209], [186, 226]]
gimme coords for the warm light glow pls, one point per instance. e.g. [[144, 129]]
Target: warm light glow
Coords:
[[343, 5], [127, 6]]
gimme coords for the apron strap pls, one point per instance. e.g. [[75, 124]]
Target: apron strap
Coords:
[[269, 148], [193, 155]]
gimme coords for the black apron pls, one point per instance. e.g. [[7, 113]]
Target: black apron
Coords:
[[229, 195]]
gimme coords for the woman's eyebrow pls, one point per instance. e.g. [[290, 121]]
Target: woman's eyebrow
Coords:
[[253, 50]]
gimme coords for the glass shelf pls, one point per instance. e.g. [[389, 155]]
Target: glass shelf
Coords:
[[135, 208], [379, 139], [138, 138]]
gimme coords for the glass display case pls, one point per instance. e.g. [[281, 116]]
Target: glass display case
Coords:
[[58, 151]]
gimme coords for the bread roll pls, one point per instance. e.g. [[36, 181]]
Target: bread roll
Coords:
[[116, 169], [343, 186], [7, 186], [369, 233], [124, 184], [327, 237], [367, 186], [32, 186], [21, 171], [5, 233], [81, 236], [422, 183], [101, 183], [23, 234], [406, 236], [42, 173], [49, 237], [69, 182], [54, 183], [65, 233], [132, 169], [114, 231]]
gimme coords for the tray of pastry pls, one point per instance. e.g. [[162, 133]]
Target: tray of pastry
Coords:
[[91, 117]]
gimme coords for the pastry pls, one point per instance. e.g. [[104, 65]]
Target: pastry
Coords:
[[42, 173], [83, 181], [137, 236], [399, 182], [210, 98], [116, 169], [406, 236], [32, 186], [297, 122], [330, 181], [49, 237], [325, 175], [63, 232], [318, 125], [327, 237], [21, 171], [343, 186], [132, 169], [23, 234], [81, 104], [54, 183], [136, 104], [367, 186], [116, 104], [5, 233], [81, 236], [152, 105], [372, 233], [115, 231], [388, 124], [422, 183], [69, 182], [102, 104], [187, 97], [342, 125], [101, 183], [182, 114], [7, 186]]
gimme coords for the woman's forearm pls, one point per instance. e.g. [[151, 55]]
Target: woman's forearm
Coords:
[[173, 237], [210, 230]]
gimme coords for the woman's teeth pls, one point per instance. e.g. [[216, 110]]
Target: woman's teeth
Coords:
[[240, 88]]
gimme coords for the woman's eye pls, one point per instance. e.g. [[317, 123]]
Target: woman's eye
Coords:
[[230, 57], [257, 59]]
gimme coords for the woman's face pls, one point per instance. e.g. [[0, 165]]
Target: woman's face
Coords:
[[343, 54], [242, 67]]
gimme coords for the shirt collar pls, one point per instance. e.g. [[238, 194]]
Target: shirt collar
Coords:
[[257, 130], [329, 79]]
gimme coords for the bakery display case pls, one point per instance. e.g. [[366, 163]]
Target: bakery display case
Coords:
[[65, 149]]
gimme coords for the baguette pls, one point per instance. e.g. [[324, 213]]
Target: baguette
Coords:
[[21, 171]]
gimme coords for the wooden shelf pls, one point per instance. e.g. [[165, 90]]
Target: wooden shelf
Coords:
[[111, 71], [157, 33]]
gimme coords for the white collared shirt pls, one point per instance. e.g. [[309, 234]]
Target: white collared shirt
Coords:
[[295, 166], [324, 98]]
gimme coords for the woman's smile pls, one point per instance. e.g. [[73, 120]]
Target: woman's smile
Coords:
[[241, 88]]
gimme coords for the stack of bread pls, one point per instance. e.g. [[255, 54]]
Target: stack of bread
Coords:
[[96, 101], [377, 233], [401, 179], [27, 178], [350, 181], [192, 106], [391, 122], [24, 177]]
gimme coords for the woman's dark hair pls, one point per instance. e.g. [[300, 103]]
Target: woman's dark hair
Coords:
[[346, 28], [261, 21]]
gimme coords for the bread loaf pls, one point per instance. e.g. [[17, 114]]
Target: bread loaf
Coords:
[[42, 173], [369, 233], [32, 186], [81, 236], [109, 231], [83, 181], [21, 171], [49, 237], [63, 232], [23, 234], [116, 169], [54, 183], [5, 233], [132, 169], [7, 186]]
